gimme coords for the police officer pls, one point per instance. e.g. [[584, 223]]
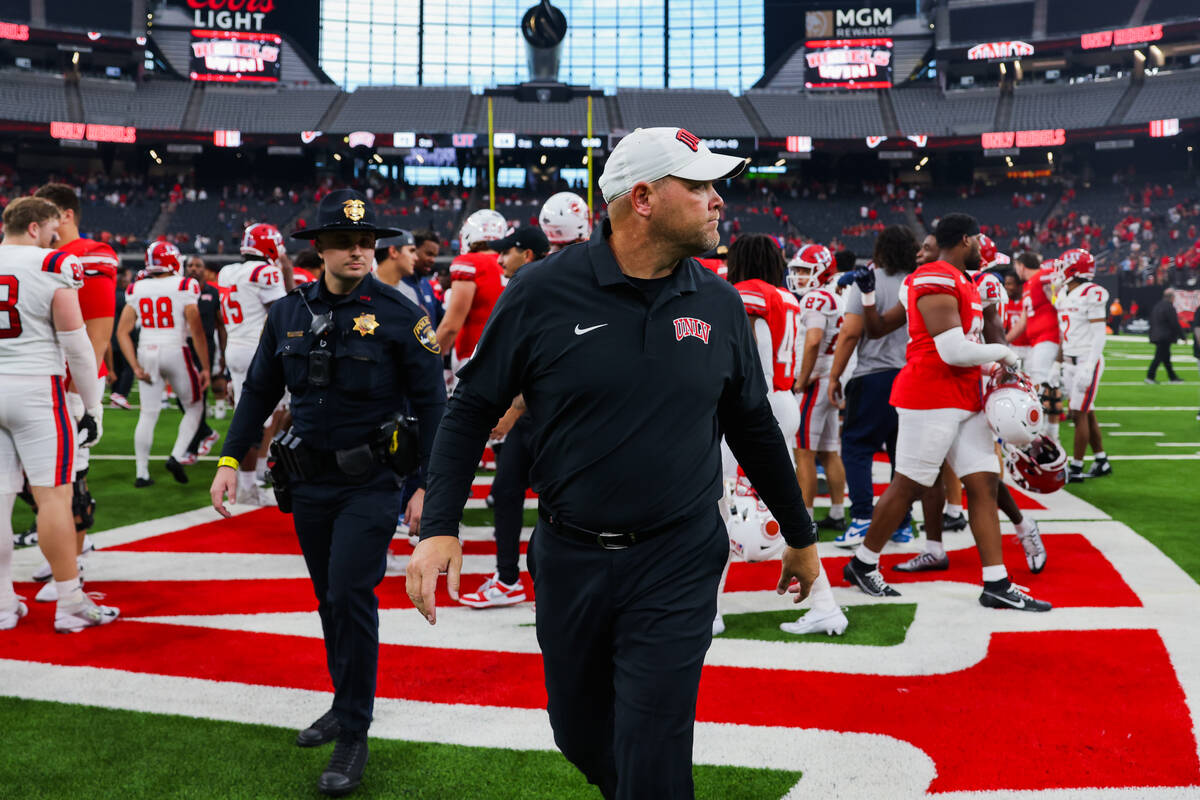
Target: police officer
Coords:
[[353, 352], [633, 361]]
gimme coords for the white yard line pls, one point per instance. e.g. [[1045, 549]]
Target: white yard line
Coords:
[[1157, 457], [1145, 408], [1136, 433], [1177, 444]]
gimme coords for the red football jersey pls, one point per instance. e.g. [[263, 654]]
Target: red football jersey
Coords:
[[483, 270], [715, 265], [98, 297], [766, 301], [926, 381], [1012, 312], [1041, 319]]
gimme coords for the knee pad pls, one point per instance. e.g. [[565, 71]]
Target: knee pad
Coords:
[[83, 505], [1051, 397]]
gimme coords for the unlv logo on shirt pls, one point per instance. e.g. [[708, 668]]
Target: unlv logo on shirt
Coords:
[[690, 326]]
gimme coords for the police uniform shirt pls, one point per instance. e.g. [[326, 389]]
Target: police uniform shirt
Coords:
[[631, 385], [383, 350]]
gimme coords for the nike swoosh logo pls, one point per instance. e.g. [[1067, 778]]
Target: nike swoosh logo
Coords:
[[1010, 602], [581, 331]]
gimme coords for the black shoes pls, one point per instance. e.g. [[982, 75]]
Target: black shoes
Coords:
[[1075, 474], [323, 731], [176, 470], [1099, 469], [831, 524], [346, 765], [1006, 594], [142, 483], [867, 578], [956, 523]]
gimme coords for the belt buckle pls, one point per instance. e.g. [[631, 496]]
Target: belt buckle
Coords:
[[612, 542]]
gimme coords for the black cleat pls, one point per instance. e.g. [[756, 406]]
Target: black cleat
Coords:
[[346, 765], [323, 731], [867, 578], [142, 483], [1074, 474], [1006, 594], [956, 523], [1099, 469], [831, 524], [176, 470], [925, 562]]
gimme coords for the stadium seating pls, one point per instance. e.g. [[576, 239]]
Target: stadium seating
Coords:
[[926, 110], [32, 96], [992, 206], [568, 118], [818, 115], [1167, 95], [133, 219], [263, 110], [704, 113], [155, 104], [1081, 105], [426, 110]]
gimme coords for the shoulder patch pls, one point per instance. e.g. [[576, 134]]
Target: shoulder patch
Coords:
[[425, 334]]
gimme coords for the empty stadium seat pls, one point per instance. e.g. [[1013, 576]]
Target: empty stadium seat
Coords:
[[704, 113], [1079, 105], [819, 115], [32, 96], [1166, 95], [262, 110], [155, 105], [426, 110]]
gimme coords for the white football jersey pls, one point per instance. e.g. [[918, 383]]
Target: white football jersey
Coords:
[[246, 290], [991, 291], [159, 304], [29, 277], [820, 308], [1076, 310]]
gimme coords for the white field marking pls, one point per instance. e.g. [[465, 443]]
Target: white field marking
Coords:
[[1143, 383], [1177, 444], [481, 503], [1136, 433], [1145, 408], [1157, 457], [896, 768], [1122, 369], [1136, 793], [111, 457], [1109, 424]]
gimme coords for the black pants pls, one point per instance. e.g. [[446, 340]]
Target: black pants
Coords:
[[344, 533], [1162, 355], [508, 491], [623, 636], [205, 430], [871, 425]]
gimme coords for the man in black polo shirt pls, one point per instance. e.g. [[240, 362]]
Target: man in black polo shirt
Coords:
[[633, 361]]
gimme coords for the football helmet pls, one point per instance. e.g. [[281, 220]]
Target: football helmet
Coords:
[[163, 257], [1012, 406], [263, 240], [484, 225], [1040, 466], [565, 218], [810, 268], [753, 532], [1077, 263]]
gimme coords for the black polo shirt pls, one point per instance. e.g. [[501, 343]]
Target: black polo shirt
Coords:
[[630, 388]]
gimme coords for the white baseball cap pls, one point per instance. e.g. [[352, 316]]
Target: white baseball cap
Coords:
[[648, 154]]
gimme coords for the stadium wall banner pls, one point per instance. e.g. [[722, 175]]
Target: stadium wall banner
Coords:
[[848, 22], [234, 56], [1004, 139], [1122, 37], [999, 51], [79, 131], [298, 19], [848, 64]]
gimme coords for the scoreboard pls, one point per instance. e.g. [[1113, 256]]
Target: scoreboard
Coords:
[[848, 64], [234, 56]]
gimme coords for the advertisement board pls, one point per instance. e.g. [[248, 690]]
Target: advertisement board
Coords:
[[234, 56], [848, 64]]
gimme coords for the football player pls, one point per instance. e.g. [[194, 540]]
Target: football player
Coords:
[[809, 274], [1039, 324], [475, 285], [42, 333], [758, 272], [247, 290], [1082, 306], [1013, 286], [937, 396], [565, 220], [163, 308]]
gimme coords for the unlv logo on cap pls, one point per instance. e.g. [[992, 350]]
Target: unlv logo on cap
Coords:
[[688, 138]]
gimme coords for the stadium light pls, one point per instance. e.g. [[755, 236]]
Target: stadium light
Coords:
[[377, 158], [543, 159], [153, 155], [585, 160], [1050, 156], [924, 161], [75, 58], [781, 162], [337, 156]]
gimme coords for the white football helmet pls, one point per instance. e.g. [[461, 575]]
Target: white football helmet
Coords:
[[565, 218], [484, 225], [753, 532], [1012, 406]]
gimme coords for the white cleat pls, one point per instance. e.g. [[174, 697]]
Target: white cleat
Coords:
[[85, 615], [718, 625], [43, 573], [832, 622], [10, 616], [49, 593], [88, 544], [1035, 549]]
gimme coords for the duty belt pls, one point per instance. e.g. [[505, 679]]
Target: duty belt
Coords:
[[608, 540]]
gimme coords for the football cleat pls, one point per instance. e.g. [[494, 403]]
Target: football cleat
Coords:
[[867, 578], [176, 470], [142, 483], [1074, 474], [206, 444], [188, 459], [1099, 469], [831, 524], [1035, 549], [43, 573], [494, 593], [904, 534], [85, 615], [1177, 380], [1011, 596], [718, 625], [925, 562], [26, 538], [832, 622], [10, 616], [119, 401], [854, 534], [953, 524]]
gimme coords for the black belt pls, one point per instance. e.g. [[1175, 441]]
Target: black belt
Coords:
[[605, 539]]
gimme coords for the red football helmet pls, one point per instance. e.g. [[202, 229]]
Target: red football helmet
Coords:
[[811, 268], [1040, 466], [987, 251], [163, 257], [263, 240], [1077, 263]]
